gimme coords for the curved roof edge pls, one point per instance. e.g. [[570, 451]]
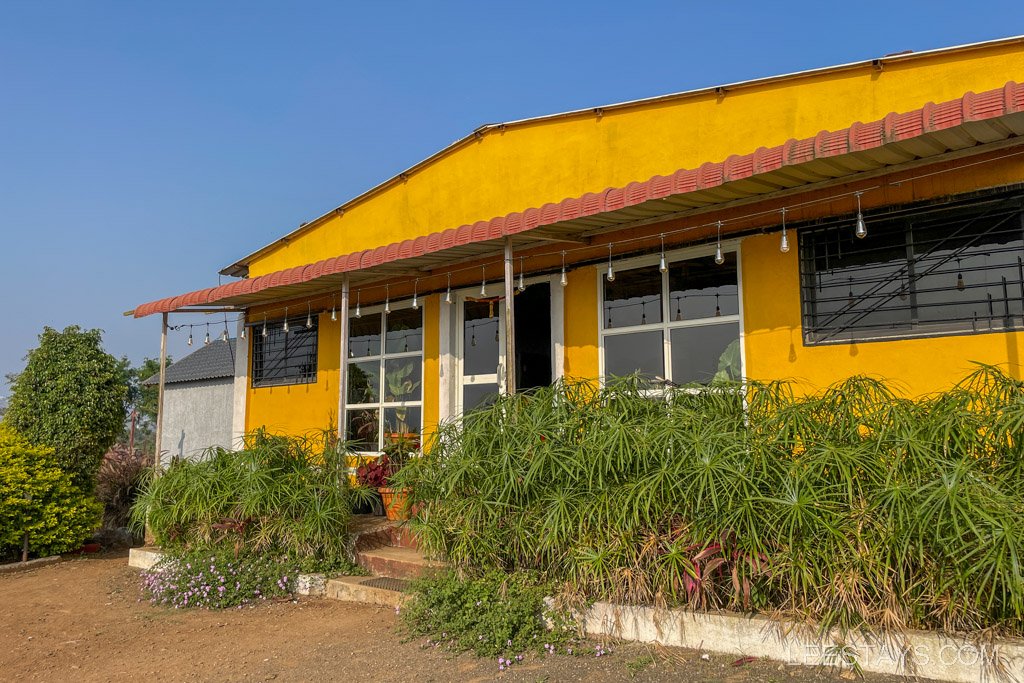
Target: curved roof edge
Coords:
[[240, 267]]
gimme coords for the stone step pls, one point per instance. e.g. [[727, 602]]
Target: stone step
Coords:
[[368, 589], [395, 562], [382, 534]]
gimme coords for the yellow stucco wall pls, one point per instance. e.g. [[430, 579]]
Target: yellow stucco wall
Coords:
[[529, 164], [581, 325], [300, 408], [431, 363]]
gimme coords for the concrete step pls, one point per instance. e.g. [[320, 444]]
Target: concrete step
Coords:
[[380, 533], [368, 589], [395, 562]]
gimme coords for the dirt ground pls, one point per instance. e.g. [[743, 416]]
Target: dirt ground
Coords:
[[82, 620]]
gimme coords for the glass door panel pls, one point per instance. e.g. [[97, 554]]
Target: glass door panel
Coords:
[[483, 343]]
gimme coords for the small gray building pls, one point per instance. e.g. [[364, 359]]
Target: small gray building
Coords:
[[198, 401]]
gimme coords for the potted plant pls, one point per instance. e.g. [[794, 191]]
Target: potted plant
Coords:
[[397, 452], [373, 475]]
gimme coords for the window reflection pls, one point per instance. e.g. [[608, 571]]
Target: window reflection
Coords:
[[633, 298]]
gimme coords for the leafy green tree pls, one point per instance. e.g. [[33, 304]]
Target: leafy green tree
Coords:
[[38, 498], [143, 399], [71, 397]]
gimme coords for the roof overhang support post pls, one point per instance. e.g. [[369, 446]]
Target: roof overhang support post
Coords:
[[343, 350], [160, 396], [510, 323]]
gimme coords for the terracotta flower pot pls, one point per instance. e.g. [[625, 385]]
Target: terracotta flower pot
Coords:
[[395, 503]]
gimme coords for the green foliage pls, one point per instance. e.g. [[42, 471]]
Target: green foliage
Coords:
[[143, 398], [71, 397], [37, 497], [218, 579], [493, 614], [278, 494], [851, 508]]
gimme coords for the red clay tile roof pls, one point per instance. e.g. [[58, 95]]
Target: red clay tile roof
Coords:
[[859, 137]]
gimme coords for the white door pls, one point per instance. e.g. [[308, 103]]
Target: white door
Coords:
[[481, 351]]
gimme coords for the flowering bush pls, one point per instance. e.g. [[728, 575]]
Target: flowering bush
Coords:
[[495, 615], [217, 579]]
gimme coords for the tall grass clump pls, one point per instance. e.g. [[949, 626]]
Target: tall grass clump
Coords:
[[851, 508], [277, 495]]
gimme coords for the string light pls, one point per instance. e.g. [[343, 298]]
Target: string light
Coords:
[[415, 299], [862, 229], [387, 299], [285, 327], [448, 290], [522, 282], [224, 336], [309, 317], [483, 282], [611, 271], [564, 280], [334, 314], [784, 244], [358, 314], [189, 342], [264, 325], [662, 265], [206, 341], [719, 258], [241, 334]]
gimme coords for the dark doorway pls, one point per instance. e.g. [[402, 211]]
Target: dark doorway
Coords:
[[533, 336]]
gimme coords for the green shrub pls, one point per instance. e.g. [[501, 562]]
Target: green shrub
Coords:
[[852, 507], [71, 397], [37, 497], [217, 579], [493, 614], [278, 495]]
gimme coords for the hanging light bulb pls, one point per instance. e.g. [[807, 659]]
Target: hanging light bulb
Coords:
[[241, 335], [189, 342], [415, 298], [564, 280], [309, 317], [483, 283], [719, 258], [522, 282], [611, 271], [206, 341], [285, 326], [387, 299], [662, 265], [862, 229], [784, 244], [334, 314], [224, 335], [448, 291], [960, 284], [264, 333], [358, 292]]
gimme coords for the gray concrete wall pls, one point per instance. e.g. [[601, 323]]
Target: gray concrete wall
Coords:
[[197, 415]]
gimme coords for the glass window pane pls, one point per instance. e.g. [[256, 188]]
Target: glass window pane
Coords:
[[633, 298], [361, 429], [364, 382], [405, 331], [643, 352], [701, 288], [280, 358], [705, 353], [364, 336], [480, 339], [478, 395], [403, 378], [402, 422]]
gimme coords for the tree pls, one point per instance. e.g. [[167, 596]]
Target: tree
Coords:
[[70, 397], [143, 399]]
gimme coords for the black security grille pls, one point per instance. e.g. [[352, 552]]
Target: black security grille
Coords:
[[282, 357], [952, 268]]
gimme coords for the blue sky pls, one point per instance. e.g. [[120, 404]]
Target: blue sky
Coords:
[[145, 145]]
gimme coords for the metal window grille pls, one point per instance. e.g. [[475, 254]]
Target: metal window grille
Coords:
[[284, 358], [951, 268]]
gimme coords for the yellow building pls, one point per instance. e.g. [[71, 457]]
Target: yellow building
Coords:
[[859, 219]]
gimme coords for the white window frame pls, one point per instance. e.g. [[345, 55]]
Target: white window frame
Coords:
[[667, 324], [381, 405]]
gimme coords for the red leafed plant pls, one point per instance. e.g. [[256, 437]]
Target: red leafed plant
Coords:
[[374, 474]]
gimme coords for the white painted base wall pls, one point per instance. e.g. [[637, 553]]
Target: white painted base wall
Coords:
[[927, 655]]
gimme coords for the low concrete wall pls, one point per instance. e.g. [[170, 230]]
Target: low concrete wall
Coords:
[[926, 655], [144, 558], [31, 564]]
